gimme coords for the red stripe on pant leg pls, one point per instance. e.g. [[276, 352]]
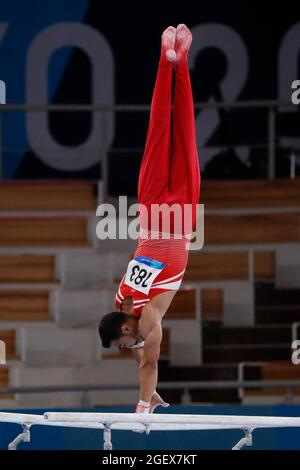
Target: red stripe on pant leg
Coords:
[[185, 172], [154, 171]]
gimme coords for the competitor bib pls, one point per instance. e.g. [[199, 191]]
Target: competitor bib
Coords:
[[141, 272]]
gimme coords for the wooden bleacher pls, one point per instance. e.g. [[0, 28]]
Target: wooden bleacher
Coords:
[[27, 268], [264, 265], [277, 370], [43, 231], [212, 304], [79, 195], [71, 230], [229, 266], [18, 305], [52, 195], [252, 228], [9, 338], [212, 266], [183, 305], [280, 371], [4, 382], [250, 193]]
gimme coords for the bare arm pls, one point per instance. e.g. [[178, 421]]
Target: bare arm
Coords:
[[150, 328], [148, 369], [138, 354]]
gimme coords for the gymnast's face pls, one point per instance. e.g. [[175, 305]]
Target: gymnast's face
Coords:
[[130, 335]]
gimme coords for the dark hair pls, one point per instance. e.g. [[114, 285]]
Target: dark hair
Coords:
[[110, 327]]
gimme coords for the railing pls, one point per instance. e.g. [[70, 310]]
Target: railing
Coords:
[[271, 106], [289, 385], [295, 328]]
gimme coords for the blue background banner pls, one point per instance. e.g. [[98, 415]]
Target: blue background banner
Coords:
[[242, 51]]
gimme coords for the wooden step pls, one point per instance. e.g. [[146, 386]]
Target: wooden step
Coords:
[[263, 334], [229, 266], [183, 305], [252, 229], [4, 376], [208, 396], [9, 338], [54, 195], [27, 268], [215, 266], [277, 370], [212, 303], [270, 392], [43, 231], [18, 305], [276, 297], [250, 193], [280, 371], [203, 372], [4, 382], [264, 265], [246, 352], [277, 314]]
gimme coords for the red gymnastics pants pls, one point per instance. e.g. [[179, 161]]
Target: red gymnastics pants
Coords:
[[169, 172]]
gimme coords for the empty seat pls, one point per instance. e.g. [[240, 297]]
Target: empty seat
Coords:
[[277, 370], [4, 382], [183, 305], [18, 305], [43, 231], [250, 193], [265, 265], [9, 338], [252, 228], [54, 195], [212, 304], [213, 266], [27, 268]]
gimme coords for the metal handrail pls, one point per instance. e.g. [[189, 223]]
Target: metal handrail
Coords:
[[142, 107], [270, 105], [217, 385], [295, 327]]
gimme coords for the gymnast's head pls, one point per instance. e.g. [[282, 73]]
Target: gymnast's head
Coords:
[[120, 330]]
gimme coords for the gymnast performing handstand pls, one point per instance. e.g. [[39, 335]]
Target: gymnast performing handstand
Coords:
[[170, 179]]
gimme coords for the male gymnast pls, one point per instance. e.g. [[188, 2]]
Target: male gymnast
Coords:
[[169, 178]]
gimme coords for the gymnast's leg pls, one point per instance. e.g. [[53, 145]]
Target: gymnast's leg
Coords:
[[185, 173], [154, 171]]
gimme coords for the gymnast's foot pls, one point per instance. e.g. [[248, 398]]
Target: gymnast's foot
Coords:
[[168, 39], [183, 41]]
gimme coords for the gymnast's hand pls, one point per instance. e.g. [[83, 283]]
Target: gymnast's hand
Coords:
[[156, 401], [146, 408], [143, 408]]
